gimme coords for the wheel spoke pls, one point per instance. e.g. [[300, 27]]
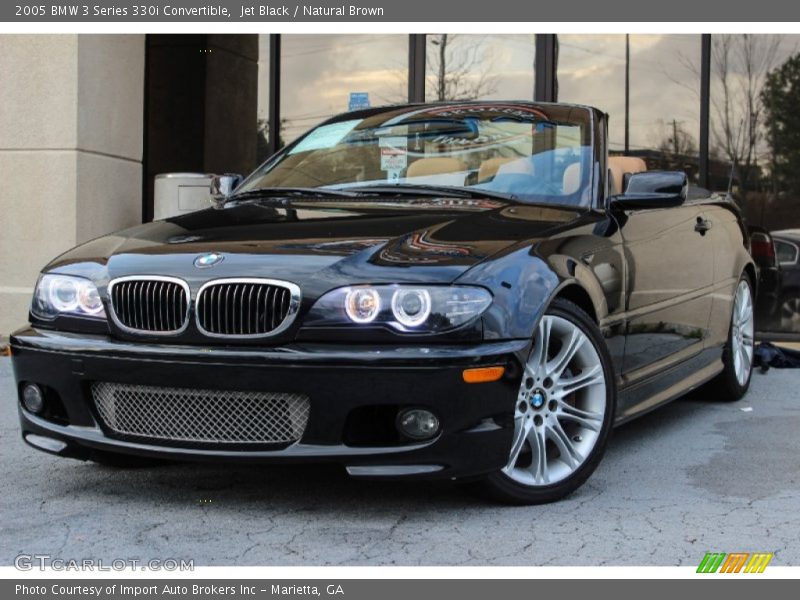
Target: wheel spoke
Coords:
[[538, 359], [740, 304], [585, 418], [522, 426], [745, 360], [538, 466], [566, 354], [586, 378], [569, 453]]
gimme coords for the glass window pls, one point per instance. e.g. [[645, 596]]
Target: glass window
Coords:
[[537, 154], [752, 103], [324, 75], [262, 120], [754, 150], [663, 89], [786, 253], [479, 67]]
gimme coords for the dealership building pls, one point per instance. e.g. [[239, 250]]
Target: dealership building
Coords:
[[87, 122]]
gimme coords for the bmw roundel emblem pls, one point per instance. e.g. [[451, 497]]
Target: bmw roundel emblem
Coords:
[[208, 260]]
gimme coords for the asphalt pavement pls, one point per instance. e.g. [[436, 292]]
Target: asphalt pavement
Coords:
[[692, 477]]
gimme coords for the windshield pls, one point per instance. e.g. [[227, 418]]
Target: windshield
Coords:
[[540, 154]]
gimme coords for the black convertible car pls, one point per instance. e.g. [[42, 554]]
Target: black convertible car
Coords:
[[473, 291]]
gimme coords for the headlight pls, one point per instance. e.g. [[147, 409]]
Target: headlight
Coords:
[[428, 309], [66, 295]]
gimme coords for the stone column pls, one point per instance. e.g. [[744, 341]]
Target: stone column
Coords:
[[71, 129]]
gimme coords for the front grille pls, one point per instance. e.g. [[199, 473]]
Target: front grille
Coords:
[[246, 307], [150, 304], [170, 414]]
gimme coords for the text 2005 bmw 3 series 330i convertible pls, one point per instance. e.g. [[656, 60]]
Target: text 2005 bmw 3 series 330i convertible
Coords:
[[473, 291]]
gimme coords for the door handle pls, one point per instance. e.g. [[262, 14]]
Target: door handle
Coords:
[[702, 225]]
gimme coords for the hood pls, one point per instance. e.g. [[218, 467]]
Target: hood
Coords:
[[321, 244]]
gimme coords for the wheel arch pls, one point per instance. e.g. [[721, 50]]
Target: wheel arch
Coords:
[[577, 294], [750, 269]]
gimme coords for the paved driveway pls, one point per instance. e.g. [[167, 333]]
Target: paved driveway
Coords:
[[692, 477]]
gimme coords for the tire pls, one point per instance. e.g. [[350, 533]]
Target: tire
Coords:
[[124, 461], [559, 416], [734, 380]]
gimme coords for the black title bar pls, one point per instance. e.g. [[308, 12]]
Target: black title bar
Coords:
[[447, 11]]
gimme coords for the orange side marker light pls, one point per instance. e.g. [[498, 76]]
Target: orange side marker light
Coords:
[[483, 374]]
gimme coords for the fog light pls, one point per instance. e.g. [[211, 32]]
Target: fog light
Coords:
[[418, 424], [33, 398]]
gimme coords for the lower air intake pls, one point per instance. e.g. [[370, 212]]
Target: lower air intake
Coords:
[[172, 415]]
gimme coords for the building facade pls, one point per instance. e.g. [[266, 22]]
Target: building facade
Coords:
[[88, 121]]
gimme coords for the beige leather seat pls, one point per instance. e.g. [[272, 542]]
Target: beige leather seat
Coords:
[[436, 165], [618, 166], [490, 166]]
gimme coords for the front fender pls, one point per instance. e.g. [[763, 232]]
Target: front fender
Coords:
[[522, 284]]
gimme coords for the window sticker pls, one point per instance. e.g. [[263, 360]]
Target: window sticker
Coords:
[[326, 136], [394, 156]]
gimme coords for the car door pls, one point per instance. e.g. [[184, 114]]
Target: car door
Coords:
[[669, 276]]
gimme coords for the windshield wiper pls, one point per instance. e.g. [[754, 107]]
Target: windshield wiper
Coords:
[[429, 190], [278, 192]]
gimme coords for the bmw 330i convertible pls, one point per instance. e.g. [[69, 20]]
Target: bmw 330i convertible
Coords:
[[473, 291]]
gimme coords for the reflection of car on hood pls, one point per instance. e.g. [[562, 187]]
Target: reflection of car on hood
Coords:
[[339, 247], [473, 291]]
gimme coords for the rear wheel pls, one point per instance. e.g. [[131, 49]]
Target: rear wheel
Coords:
[[737, 356], [563, 413]]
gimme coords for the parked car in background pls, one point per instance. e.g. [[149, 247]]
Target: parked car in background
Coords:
[[768, 304], [472, 291], [787, 249]]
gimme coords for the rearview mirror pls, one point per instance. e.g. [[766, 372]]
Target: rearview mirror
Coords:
[[653, 189], [222, 186]]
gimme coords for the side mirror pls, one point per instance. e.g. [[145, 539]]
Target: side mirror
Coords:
[[653, 189], [222, 186]]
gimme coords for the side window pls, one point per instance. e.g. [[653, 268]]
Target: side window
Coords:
[[787, 253]]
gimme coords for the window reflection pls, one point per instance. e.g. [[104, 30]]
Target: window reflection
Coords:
[[755, 151], [262, 119], [663, 86], [473, 67], [320, 72]]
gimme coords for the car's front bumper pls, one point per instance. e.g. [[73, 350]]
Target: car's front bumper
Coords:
[[476, 419]]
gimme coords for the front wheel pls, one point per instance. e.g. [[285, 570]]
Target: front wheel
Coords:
[[564, 411]]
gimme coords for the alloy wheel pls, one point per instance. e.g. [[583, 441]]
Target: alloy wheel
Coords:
[[742, 333], [560, 407]]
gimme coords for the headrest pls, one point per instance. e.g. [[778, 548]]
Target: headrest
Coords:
[[618, 166], [489, 167], [435, 166]]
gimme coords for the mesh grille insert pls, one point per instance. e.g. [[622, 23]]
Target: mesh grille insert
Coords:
[[201, 416]]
